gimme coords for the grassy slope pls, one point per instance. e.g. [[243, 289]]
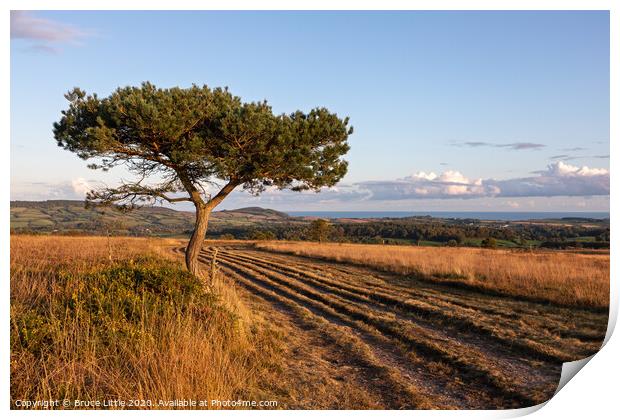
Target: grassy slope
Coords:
[[137, 327]]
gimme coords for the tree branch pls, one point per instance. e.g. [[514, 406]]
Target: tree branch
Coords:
[[217, 198], [133, 193]]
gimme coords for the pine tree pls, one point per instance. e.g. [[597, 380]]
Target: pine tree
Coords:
[[189, 139]]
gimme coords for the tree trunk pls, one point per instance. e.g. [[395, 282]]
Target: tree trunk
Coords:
[[198, 236]]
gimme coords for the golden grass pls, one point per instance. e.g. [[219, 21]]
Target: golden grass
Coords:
[[82, 328], [558, 277], [119, 318]]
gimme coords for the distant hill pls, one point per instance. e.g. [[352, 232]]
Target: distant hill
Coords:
[[255, 211], [71, 216]]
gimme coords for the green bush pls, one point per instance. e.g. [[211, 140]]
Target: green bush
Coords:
[[489, 243]]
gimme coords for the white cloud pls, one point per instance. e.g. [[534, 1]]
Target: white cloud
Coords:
[[559, 179], [70, 190], [423, 175], [340, 193], [564, 169], [427, 185], [43, 34], [81, 186]]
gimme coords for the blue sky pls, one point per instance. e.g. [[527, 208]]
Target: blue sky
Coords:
[[451, 110]]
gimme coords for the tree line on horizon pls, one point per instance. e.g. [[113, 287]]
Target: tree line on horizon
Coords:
[[418, 231]]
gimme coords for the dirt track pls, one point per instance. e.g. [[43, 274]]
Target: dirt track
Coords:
[[403, 342]]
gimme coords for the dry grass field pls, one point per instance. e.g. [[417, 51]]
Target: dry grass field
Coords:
[[135, 327], [559, 277], [304, 331]]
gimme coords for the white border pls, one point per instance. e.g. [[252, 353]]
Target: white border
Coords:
[[592, 394]]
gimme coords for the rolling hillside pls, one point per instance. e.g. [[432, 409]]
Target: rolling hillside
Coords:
[[68, 216]]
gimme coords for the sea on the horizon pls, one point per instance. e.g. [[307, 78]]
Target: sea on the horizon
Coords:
[[481, 215]]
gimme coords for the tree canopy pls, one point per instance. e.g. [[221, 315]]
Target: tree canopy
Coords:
[[319, 230], [191, 137]]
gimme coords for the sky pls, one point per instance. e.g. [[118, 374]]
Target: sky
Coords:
[[453, 111]]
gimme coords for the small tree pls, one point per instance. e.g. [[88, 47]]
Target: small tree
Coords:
[[192, 138], [319, 230], [489, 243]]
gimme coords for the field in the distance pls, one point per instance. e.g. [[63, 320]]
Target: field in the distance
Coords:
[[306, 331], [567, 278]]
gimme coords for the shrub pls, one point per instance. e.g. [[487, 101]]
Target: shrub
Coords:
[[489, 243], [262, 235], [107, 330]]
